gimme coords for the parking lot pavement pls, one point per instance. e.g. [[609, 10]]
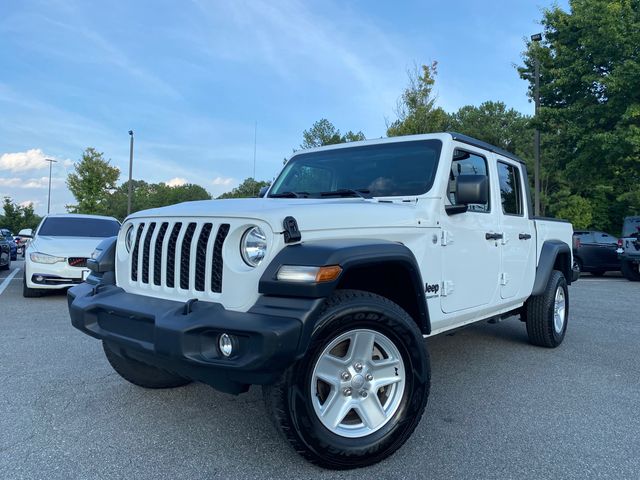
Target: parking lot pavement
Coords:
[[499, 408]]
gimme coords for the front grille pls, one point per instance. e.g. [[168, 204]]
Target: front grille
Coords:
[[168, 254], [77, 261]]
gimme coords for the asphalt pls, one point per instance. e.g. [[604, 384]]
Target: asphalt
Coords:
[[499, 408]]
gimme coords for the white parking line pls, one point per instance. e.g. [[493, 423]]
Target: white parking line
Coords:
[[5, 282]]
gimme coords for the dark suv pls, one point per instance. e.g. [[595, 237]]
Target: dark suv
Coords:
[[595, 252]]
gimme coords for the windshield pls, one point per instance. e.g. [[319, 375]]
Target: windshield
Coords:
[[383, 170], [631, 226], [79, 227]]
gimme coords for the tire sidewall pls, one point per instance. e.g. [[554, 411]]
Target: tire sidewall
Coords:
[[559, 281], [349, 316]]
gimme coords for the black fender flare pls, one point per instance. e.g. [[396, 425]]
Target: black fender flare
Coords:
[[548, 255], [349, 254]]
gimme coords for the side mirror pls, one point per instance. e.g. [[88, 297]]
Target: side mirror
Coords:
[[26, 232], [469, 189], [263, 191], [472, 189]]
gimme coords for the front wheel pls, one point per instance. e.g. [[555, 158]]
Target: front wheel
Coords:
[[630, 270], [547, 314], [362, 388]]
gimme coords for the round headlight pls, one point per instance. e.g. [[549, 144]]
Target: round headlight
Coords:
[[253, 246], [128, 238]]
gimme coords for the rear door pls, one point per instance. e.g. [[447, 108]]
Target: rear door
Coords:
[[518, 239], [606, 246]]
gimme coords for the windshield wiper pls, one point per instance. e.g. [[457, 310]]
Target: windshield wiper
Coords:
[[348, 192], [289, 195]]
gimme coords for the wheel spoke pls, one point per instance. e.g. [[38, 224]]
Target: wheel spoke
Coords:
[[385, 372], [361, 346], [328, 369], [371, 412], [335, 409]]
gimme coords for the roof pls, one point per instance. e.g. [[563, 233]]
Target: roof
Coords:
[[79, 215], [486, 146]]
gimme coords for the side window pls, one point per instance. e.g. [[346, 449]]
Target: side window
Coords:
[[602, 237], [510, 189], [467, 163]]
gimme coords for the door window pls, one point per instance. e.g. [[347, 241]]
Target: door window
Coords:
[[602, 237], [510, 189], [467, 163]]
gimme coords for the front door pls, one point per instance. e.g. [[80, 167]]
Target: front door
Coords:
[[471, 258]]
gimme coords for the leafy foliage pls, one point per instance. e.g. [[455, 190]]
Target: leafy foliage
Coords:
[[590, 108], [90, 184], [323, 132], [16, 217], [247, 189]]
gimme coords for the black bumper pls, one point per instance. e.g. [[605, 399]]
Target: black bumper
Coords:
[[183, 338]]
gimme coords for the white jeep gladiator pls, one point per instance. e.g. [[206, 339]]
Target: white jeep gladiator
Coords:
[[323, 290]]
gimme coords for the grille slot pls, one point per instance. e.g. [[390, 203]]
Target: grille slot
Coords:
[[134, 254], [157, 254], [145, 253], [183, 255], [216, 268], [77, 261]]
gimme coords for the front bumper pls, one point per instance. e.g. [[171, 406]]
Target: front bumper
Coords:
[[183, 337], [53, 275]]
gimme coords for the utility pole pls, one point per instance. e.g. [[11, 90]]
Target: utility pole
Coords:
[[536, 136], [51, 162], [255, 143], [130, 173]]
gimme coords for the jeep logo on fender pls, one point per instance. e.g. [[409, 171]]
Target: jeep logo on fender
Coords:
[[434, 288]]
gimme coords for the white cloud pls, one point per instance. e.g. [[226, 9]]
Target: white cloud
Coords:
[[41, 182], [28, 203], [222, 181], [10, 182], [33, 159], [176, 182]]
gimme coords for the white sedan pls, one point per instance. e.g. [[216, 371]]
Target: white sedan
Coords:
[[57, 256]]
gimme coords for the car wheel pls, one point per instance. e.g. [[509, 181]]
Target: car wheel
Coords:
[[140, 373], [361, 389], [577, 265], [630, 270], [548, 313], [7, 266]]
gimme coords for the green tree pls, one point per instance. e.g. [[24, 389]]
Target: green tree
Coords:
[[15, 217], [151, 195], [323, 132], [590, 105], [247, 189], [416, 109], [91, 183]]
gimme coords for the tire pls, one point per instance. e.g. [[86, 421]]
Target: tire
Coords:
[[598, 273], [29, 292], [547, 317], [141, 374], [376, 423], [578, 266], [630, 270], [7, 266]]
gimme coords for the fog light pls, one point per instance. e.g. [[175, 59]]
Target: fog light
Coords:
[[39, 278], [225, 344]]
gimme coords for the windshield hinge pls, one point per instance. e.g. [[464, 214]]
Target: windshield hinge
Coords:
[[291, 231]]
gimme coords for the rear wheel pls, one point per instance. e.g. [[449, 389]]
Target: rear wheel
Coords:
[[141, 374], [360, 391], [547, 314], [630, 270]]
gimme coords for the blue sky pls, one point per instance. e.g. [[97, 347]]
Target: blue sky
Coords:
[[191, 78]]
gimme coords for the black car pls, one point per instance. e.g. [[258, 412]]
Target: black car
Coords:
[[595, 252], [5, 254], [8, 236]]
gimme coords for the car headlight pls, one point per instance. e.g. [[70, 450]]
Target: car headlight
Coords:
[[128, 238], [38, 257], [253, 246]]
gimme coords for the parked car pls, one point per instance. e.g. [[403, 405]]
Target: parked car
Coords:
[[629, 249], [5, 254], [6, 233], [57, 256], [595, 252], [323, 291]]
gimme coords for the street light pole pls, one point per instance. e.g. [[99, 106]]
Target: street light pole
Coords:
[[130, 173], [51, 162], [536, 136]]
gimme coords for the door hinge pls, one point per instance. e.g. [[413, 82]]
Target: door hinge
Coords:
[[504, 278], [447, 288], [446, 238]]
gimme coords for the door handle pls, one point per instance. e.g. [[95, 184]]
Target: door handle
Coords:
[[524, 236], [493, 236]]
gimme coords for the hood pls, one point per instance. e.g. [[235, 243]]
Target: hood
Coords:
[[65, 246], [311, 214]]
